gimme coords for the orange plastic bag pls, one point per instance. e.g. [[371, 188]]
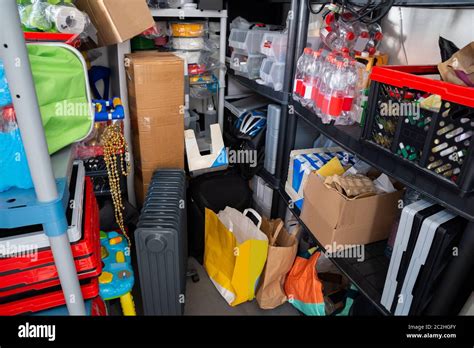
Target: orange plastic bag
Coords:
[[303, 287]]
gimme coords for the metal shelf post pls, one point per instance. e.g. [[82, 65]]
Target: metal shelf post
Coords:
[[17, 67]]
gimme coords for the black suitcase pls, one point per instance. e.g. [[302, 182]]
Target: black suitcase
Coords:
[[214, 191]]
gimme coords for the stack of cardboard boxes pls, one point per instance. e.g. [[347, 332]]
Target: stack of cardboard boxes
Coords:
[[156, 98]]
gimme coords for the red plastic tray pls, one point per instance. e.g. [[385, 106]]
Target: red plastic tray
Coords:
[[43, 301], [408, 76], [70, 39], [85, 247]]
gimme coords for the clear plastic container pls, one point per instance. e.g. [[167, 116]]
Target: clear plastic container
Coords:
[[274, 45], [272, 73], [191, 57], [247, 40], [246, 65]]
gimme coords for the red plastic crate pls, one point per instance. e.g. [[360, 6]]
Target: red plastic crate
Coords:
[[36, 277], [441, 142], [46, 300], [408, 76]]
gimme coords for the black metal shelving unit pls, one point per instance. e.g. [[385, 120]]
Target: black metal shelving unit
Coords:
[[281, 98], [405, 172], [369, 276]]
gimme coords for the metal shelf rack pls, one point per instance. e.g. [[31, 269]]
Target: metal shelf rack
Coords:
[[196, 13], [282, 98], [368, 276], [45, 203]]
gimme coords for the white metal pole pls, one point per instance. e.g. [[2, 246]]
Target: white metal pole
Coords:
[[18, 71], [222, 50], [122, 50]]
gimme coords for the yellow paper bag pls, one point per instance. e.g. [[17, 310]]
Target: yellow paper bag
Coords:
[[235, 254]]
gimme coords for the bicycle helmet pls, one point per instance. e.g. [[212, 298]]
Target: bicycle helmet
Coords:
[[251, 123]]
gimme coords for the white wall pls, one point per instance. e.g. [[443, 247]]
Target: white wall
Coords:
[[421, 29]]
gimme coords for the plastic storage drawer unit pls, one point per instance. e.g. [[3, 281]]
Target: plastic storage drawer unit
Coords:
[[246, 65], [246, 40], [272, 73], [274, 45]]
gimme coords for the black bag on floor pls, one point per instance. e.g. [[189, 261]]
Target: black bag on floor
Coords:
[[214, 191]]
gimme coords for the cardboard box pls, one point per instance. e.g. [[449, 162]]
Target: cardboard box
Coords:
[[303, 162], [335, 219], [117, 20], [156, 99]]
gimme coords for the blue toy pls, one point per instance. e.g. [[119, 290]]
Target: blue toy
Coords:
[[96, 74], [5, 97], [107, 110], [14, 170], [116, 280]]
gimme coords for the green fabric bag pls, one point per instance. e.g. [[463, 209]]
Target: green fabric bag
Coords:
[[62, 88]]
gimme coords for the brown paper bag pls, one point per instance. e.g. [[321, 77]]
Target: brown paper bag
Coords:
[[459, 69], [282, 248]]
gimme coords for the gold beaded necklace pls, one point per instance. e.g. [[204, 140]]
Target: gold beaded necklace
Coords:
[[114, 143]]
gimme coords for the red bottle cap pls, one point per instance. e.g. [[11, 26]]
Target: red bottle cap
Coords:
[[350, 36], [308, 50], [328, 28], [345, 51], [329, 18], [364, 34], [378, 36], [372, 51]]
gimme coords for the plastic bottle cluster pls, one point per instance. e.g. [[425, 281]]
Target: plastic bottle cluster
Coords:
[[328, 85], [344, 35]]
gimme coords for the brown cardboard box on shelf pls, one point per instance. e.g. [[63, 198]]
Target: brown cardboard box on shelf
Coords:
[[156, 98], [117, 20], [335, 219]]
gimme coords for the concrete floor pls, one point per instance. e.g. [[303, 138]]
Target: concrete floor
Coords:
[[202, 298]]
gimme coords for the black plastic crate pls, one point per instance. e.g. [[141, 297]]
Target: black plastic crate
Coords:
[[438, 140], [96, 169]]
